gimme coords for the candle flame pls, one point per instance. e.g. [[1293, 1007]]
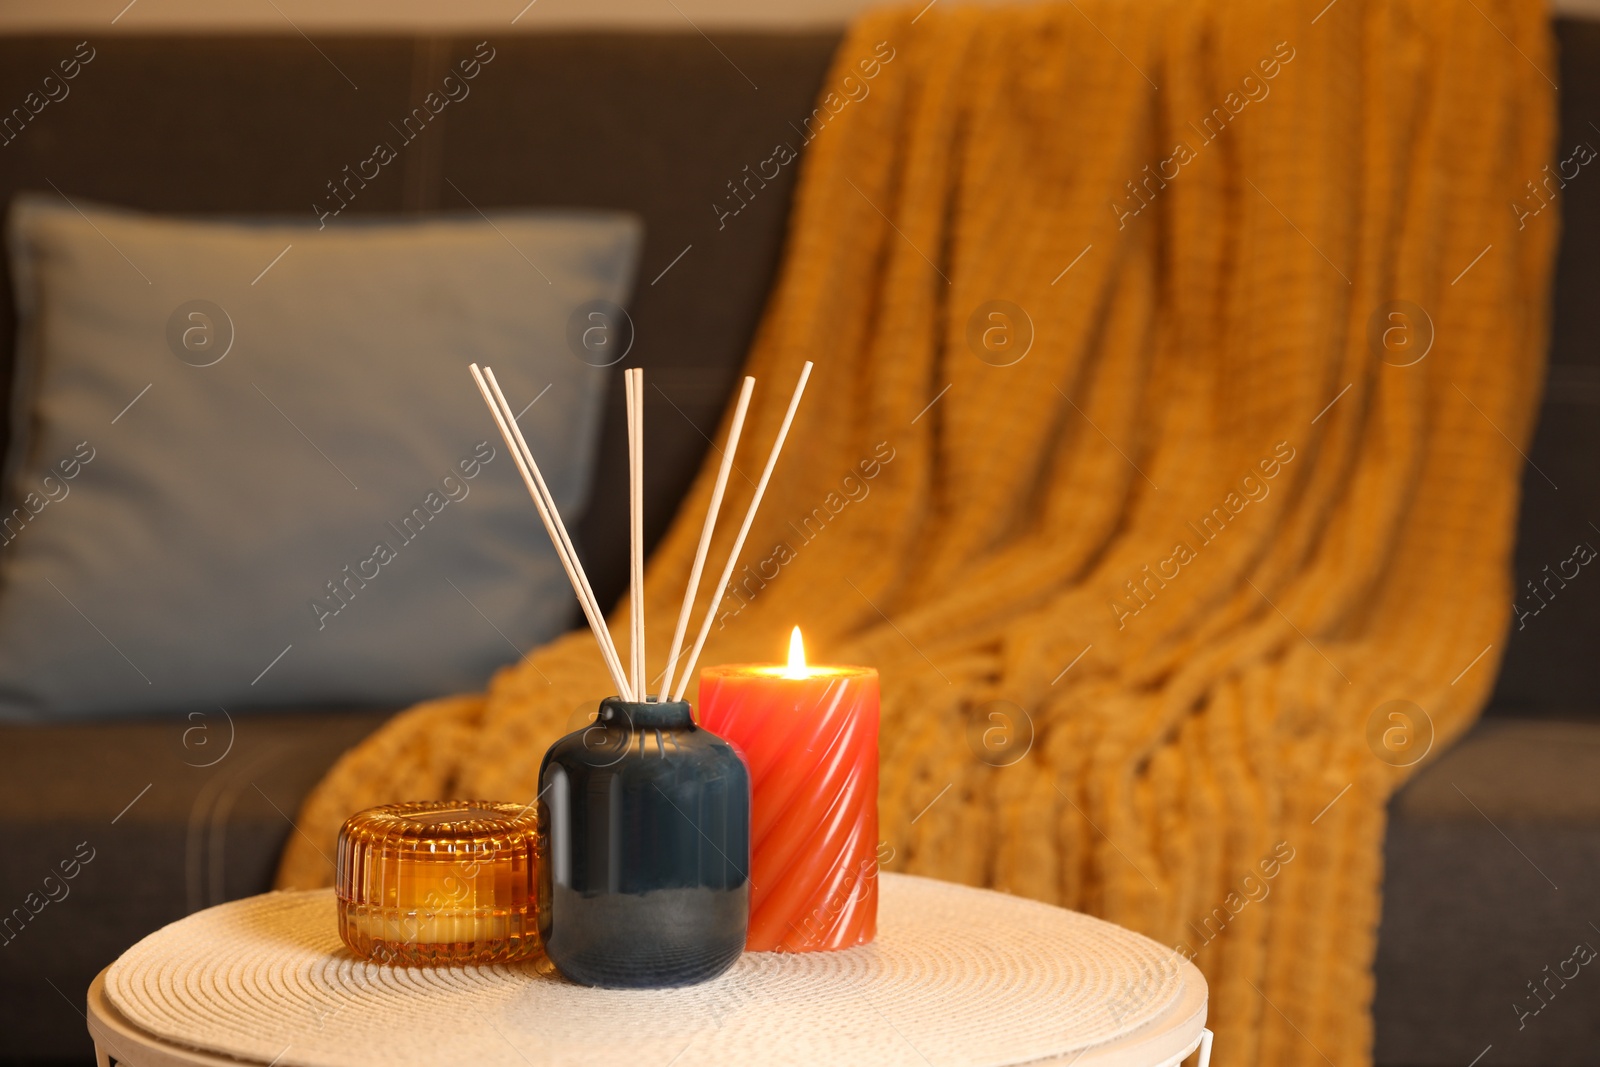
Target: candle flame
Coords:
[[797, 657]]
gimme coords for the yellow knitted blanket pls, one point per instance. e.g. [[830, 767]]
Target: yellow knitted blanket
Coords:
[[1173, 362]]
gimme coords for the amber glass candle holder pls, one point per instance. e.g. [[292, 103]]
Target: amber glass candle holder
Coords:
[[441, 882]]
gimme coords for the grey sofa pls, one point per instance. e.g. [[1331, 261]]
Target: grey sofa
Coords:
[[166, 816]]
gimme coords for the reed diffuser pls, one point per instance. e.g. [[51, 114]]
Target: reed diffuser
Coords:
[[645, 815]]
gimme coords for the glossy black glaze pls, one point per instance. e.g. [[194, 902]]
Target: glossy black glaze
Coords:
[[646, 882]]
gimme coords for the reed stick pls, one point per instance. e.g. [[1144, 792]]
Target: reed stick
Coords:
[[744, 531], [522, 456], [586, 597], [635, 391], [734, 430]]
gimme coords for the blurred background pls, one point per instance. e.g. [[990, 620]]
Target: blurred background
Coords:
[[635, 121]]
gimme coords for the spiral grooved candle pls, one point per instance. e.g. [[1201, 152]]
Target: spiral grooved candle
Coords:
[[810, 739]]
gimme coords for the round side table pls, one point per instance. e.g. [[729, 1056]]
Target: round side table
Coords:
[[957, 976]]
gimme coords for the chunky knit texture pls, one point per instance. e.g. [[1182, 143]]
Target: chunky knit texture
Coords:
[[1204, 486]]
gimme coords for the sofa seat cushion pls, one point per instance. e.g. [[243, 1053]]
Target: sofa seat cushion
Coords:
[[111, 830], [1492, 866]]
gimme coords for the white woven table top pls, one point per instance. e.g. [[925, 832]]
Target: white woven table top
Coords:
[[956, 976]]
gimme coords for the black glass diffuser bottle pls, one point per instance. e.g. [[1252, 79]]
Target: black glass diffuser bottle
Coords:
[[648, 873]]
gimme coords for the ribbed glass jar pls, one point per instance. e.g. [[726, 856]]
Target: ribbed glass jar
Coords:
[[447, 881]]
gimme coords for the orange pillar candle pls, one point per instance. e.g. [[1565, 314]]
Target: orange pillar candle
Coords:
[[809, 736]]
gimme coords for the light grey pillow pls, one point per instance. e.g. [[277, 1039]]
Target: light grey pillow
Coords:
[[248, 465]]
